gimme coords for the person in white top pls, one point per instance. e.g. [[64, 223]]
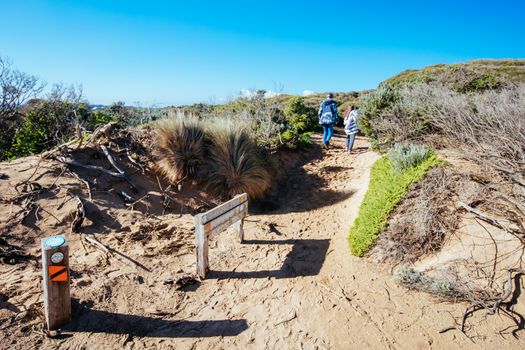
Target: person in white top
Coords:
[[351, 128]]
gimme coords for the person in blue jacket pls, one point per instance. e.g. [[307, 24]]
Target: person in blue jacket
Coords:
[[327, 118]]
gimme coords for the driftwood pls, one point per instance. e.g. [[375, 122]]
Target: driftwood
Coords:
[[85, 182], [114, 164]]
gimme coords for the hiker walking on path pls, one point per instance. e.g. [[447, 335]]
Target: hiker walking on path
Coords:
[[327, 118], [351, 128]]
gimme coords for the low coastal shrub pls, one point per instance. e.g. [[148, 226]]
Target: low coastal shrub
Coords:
[[405, 155], [387, 188]]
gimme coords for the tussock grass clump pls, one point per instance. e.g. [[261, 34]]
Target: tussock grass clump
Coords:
[[386, 189], [405, 155], [235, 164], [179, 148]]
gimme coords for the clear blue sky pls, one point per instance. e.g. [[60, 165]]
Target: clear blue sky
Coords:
[[177, 52]]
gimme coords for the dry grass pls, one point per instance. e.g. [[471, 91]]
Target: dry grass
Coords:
[[179, 148], [421, 223], [235, 165], [460, 281], [488, 128]]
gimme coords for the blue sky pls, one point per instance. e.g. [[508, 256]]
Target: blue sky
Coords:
[[179, 52]]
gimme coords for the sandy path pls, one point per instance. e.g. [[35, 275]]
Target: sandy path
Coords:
[[292, 285], [297, 287]]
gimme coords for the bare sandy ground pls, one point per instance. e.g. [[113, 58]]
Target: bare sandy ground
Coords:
[[291, 285]]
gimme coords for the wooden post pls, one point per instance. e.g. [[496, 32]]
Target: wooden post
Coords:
[[239, 227], [202, 248], [55, 265]]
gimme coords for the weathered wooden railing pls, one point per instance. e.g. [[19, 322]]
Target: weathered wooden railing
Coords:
[[213, 222]]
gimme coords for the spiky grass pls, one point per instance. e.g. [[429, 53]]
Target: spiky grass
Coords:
[[179, 148], [235, 165]]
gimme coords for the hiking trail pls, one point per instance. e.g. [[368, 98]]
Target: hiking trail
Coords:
[[292, 284]]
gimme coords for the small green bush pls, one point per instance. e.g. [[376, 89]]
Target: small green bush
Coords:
[[46, 125], [386, 189], [300, 122], [405, 155], [373, 104]]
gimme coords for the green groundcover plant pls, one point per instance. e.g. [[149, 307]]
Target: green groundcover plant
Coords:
[[387, 188]]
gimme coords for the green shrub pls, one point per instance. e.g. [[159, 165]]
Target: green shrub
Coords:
[[386, 189], [373, 105], [46, 125], [405, 155], [482, 83], [99, 117], [300, 122]]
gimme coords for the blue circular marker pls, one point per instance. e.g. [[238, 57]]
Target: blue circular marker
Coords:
[[55, 241]]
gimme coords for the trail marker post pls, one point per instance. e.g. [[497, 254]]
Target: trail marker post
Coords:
[[55, 265], [213, 222]]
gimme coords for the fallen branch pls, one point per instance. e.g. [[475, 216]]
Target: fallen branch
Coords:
[[110, 251], [58, 148], [112, 160], [481, 214], [497, 300], [91, 167], [125, 197]]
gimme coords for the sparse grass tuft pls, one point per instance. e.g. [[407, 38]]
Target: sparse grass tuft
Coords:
[[179, 148], [235, 165], [386, 189]]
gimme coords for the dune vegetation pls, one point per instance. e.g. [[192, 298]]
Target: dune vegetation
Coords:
[[390, 178]]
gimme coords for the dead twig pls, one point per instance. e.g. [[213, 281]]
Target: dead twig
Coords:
[[110, 251], [85, 182], [96, 243], [483, 215], [134, 161], [72, 162]]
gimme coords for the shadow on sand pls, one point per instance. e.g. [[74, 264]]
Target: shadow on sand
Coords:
[[95, 321], [305, 259]]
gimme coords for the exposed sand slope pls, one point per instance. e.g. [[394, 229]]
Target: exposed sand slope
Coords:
[[293, 284]]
